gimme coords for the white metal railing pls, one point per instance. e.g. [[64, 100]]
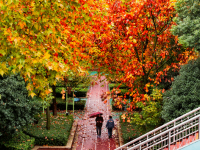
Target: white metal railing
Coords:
[[170, 136]]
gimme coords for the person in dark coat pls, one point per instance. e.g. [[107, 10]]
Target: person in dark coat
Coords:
[[99, 122], [110, 125]]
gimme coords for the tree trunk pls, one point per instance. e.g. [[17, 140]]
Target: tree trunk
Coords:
[[54, 101], [48, 119]]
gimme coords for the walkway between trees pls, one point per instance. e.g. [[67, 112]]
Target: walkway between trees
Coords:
[[87, 137]]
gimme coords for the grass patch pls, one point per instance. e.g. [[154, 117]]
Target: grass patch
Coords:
[[18, 141], [57, 135]]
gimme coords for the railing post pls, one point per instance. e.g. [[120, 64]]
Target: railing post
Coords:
[[169, 141], [174, 131], [199, 127], [147, 142]]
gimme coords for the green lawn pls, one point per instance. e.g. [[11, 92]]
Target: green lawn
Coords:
[[57, 135]]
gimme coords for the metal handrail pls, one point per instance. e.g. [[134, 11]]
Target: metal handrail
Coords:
[[166, 129]]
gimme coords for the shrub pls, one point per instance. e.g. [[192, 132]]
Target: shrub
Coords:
[[18, 141], [184, 93], [17, 109], [150, 115], [129, 130], [57, 135]]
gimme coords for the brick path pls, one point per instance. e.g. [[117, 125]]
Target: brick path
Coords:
[[87, 137]]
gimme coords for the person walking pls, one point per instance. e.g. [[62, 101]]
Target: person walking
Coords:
[[99, 122], [110, 125]]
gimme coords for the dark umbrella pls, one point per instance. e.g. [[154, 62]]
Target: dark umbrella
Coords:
[[95, 114]]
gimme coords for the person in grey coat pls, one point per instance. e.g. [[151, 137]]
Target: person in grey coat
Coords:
[[110, 125]]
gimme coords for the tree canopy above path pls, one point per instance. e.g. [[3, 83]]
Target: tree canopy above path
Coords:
[[129, 40], [135, 46], [43, 40]]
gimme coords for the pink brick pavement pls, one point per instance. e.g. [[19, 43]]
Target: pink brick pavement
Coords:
[[87, 137]]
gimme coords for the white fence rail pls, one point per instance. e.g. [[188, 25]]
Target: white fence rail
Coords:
[[170, 136]]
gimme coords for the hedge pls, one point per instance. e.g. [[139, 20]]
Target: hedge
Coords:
[[61, 105], [79, 92], [57, 135]]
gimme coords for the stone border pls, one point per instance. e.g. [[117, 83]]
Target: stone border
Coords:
[[69, 142], [121, 142]]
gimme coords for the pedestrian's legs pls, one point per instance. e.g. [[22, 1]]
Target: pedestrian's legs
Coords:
[[97, 128], [110, 132], [98, 131]]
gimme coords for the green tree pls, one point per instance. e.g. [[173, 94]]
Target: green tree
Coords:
[[17, 109], [187, 20], [184, 93]]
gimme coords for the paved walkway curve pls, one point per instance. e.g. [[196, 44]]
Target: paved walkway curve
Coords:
[[87, 137]]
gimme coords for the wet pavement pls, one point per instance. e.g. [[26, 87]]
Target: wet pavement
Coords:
[[87, 137]]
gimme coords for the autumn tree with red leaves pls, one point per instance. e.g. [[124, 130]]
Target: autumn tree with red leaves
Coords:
[[134, 45]]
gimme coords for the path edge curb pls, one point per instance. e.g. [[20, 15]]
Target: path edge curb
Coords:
[[121, 142], [70, 141]]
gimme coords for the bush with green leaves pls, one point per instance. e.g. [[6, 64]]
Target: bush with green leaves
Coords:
[[18, 141], [150, 115], [184, 93], [57, 135], [187, 23], [129, 130], [17, 109]]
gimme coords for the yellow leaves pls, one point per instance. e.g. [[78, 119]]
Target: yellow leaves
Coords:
[[32, 3], [3, 51], [63, 91], [3, 68], [48, 91], [46, 55], [37, 26], [1, 3], [123, 116], [58, 77], [134, 41], [172, 2], [16, 40], [32, 94], [29, 87], [38, 53], [2, 72], [21, 24], [146, 96]]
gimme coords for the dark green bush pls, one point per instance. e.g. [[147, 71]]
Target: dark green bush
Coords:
[[184, 93], [57, 135], [18, 141], [17, 109]]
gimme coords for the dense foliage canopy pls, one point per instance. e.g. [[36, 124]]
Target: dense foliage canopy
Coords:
[[135, 46]]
